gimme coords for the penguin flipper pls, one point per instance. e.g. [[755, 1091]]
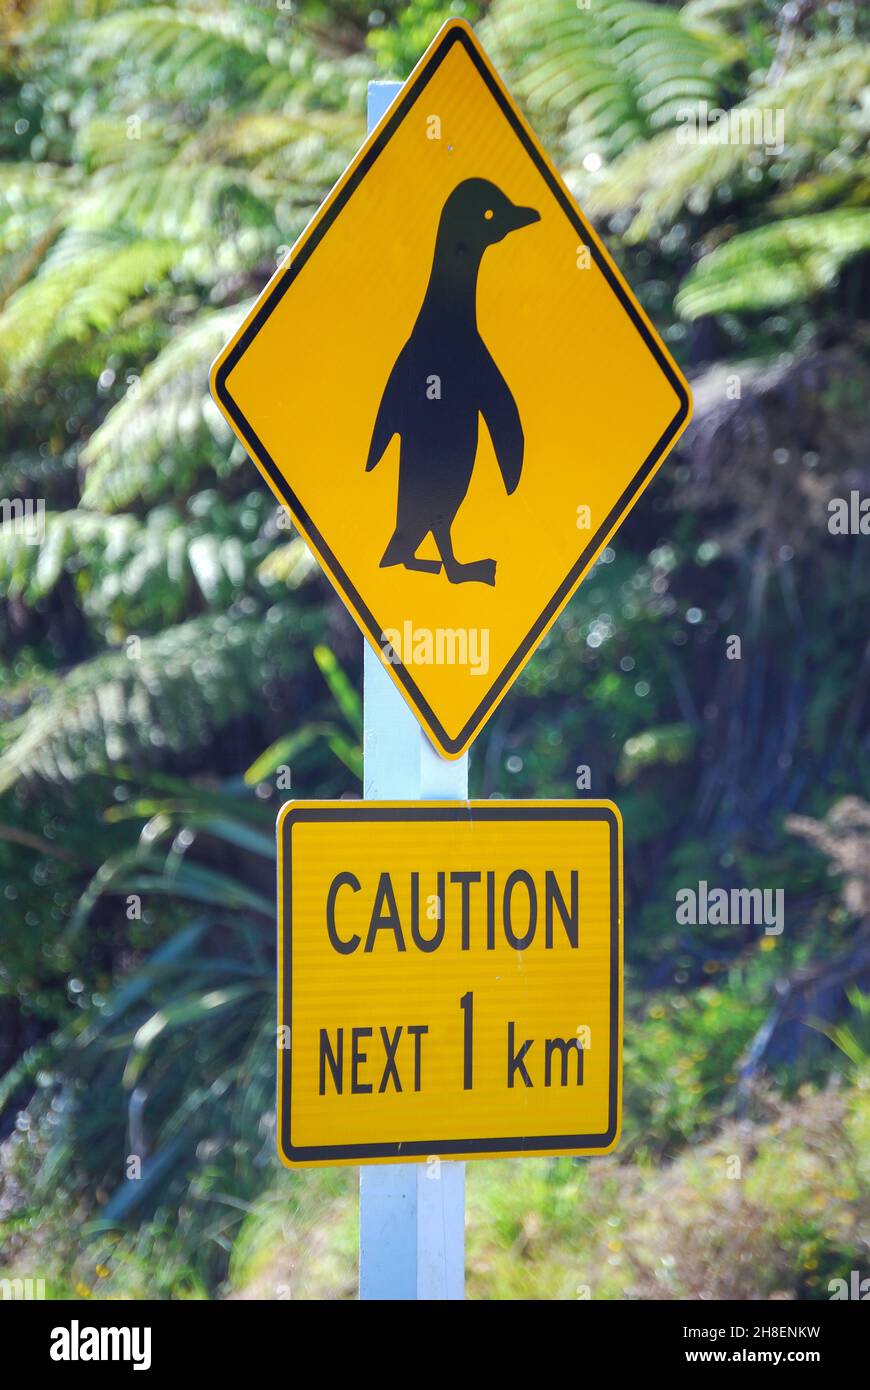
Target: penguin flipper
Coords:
[[388, 420], [499, 410]]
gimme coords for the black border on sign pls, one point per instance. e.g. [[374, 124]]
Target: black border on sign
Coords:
[[298, 813], [453, 745]]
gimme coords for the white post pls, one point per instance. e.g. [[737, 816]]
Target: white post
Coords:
[[411, 1215]]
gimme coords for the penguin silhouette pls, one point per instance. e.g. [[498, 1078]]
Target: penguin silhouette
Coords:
[[442, 381]]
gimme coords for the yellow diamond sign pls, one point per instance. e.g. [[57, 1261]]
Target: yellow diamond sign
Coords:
[[453, 390]]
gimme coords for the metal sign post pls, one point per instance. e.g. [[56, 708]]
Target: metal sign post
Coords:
[[411, 1215]]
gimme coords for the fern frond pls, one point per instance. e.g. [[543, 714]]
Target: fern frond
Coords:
[[251, 136], [239, 52], [179, 200], [775, 265], [31, 571], [138, 572], [302, 152], [83, 286], [183, 686], [619, 68], [171, 43], [31, 201], [167, 427], [818, 103], [847, 187], [125, 139], [27, 187]]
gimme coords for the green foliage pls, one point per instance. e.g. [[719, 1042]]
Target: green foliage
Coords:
[[165, 421], [135, 573], [177, 689], [399, 45], [814, 107], [163, 160], [791, 260], [168, 653], [669, 745], [615, 70], [773, 1207], [667, 129], [83, 286], [682, 1061], [853, 1042]]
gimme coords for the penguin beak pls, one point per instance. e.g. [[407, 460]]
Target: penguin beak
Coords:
[[522, 217]]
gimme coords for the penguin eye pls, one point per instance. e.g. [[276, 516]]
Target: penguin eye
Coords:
[[489, 214]]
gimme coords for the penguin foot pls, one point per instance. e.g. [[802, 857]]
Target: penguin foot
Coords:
[[477, 571], [411, 562]]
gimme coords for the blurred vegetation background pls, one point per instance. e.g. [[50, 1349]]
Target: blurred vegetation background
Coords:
[[168, 650]]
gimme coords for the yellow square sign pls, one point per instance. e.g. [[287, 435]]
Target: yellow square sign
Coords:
[[453, 390], [450, 980]]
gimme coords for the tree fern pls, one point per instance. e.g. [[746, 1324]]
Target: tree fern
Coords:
[[165, 429], [181, 200], [846, 186], [30, 198], [32, 571], [199, 193], [308, 150], [820, 104], [790, 260], [133, 572], [84, 285], [170, 693], [618, 70], [240, 49]]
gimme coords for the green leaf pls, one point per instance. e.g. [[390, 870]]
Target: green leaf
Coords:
[[788, 261], [345, 696]]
